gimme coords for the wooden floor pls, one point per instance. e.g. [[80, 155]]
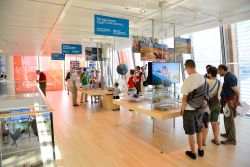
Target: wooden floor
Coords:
[[87, 137]]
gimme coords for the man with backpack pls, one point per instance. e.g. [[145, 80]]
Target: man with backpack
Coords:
[[195, 95]]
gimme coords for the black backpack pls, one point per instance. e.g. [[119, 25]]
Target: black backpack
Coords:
[[196, 98]]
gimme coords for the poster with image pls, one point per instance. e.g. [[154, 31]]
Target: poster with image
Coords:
[[183, 45], [93, 53], [74, 65], [150, 49]]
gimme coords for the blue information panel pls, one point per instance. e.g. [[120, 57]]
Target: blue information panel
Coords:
[[71, 49], [57, 56], [111, 26]]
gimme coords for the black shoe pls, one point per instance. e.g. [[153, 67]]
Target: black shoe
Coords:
[[223, 135], [227, 142], [201, 153], [75, 105], [191, 155]]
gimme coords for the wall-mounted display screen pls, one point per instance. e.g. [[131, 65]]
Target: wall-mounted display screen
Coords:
[[163, 73]]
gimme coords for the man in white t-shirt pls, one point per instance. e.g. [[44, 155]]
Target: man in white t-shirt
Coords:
[[192, 118]]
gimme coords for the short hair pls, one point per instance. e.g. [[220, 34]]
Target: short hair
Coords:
[[208, 66], [213, 71], [116, 84], [190, 63], [138, 67], [223, 67], [132, 72]]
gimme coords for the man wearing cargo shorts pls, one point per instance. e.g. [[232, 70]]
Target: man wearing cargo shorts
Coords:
[[192, 117]]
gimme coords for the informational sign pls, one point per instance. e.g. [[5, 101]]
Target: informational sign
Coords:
[[57, 56], [74, 65], [71, 49], [111, 26]]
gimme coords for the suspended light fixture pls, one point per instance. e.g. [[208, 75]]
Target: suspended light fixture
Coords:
[[142, 6]]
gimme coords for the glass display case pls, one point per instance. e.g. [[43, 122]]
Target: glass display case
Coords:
[[163, 98], [27, 136]]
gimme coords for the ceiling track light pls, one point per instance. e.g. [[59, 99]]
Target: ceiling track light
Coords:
[[142, 6]]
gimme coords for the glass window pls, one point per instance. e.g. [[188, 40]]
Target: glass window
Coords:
[[206, 48], [243, 46]]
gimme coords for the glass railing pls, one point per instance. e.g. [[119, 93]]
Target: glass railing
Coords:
[[27, 137]]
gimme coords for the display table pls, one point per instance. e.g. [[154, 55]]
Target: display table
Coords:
[[107, 96], [146, 108]]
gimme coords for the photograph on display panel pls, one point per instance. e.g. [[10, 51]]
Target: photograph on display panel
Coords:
[[93, 53], [150, 49]]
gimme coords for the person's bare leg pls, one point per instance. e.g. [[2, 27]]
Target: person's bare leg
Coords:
[[204, 134], [215, 127], [199, 140], [191, 141]]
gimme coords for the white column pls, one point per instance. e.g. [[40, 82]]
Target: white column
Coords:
[[9, 64]]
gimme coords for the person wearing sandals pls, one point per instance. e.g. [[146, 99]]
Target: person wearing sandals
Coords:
[[214, 103], [230, 95]]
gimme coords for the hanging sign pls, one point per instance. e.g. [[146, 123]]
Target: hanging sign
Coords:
[[57, 56], [111, 26], [71, 49]]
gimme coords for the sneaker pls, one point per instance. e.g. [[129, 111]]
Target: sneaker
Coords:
[[201, 153], [191, 155]]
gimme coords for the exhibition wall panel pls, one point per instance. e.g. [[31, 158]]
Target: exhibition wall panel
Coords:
[[24, 70], [54, 72]]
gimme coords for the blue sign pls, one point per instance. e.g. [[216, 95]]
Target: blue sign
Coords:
[[111, 26], [71, 49], [57, 56]]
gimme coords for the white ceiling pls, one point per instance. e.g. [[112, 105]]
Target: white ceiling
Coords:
[[32, 27]]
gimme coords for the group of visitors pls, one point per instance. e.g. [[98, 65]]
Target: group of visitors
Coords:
[[204, 97], [86, 80], [136, 79]]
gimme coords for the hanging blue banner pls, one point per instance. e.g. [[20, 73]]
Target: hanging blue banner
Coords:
[[111, 26], [71, 49], [57, 56]]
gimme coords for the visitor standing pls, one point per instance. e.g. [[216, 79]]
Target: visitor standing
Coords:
[[42, 81], [230, 96], [74, 84], [214, 103], [67, 79], [207, 67], [116, 95], [131, 83], [85, 83], [138, 76], [194, 90]]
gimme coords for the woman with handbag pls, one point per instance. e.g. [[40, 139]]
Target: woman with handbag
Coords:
[[214, 103]]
